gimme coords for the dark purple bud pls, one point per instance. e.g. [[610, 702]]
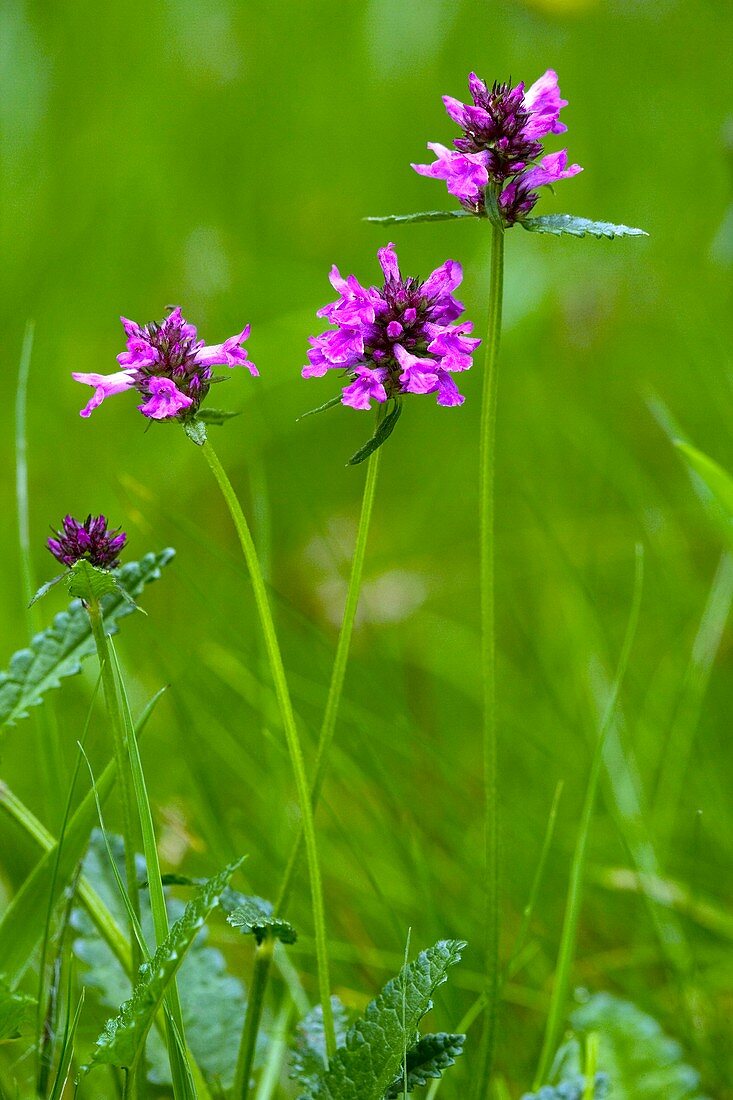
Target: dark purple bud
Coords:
[[89, 541]]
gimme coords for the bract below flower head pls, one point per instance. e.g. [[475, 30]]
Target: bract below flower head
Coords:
[[168, 366], [90, 541], [501, 146], [397, 338]]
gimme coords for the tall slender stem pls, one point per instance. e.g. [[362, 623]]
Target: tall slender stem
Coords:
[[119, 743], [335, 688], [277, 671], [255, 1005], [488, 650]]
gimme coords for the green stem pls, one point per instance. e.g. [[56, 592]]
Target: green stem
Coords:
[[558, 1001], [487, 445], [175, 1034], [119, 742], [255, 1005], [333, 702], [291, 734]]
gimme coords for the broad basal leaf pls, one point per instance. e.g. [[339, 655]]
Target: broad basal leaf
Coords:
[[424, 216], [427, 1060], [371, 1059], [568, 225], [308, 1057], [254, 916], [15, 1008], [212, 999], [642, 1063], [58, 651], [121, 1042]]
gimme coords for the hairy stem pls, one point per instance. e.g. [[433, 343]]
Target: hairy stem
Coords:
[[253, 1017], [119, 743], [487, 450], [277, 671]]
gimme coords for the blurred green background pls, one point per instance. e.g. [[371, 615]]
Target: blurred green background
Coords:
[[222, 156]]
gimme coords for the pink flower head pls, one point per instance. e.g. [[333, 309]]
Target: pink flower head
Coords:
[[168, 366], [500, 146], [397, 338]]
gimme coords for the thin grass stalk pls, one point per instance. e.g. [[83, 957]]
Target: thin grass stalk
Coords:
[[338, 673], [558, 1001], [49, 743], [487, 451], [282, 691], [180, 1070]]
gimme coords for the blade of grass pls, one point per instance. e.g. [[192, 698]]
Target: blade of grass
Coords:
[[20, 929], [183, 1087], [67, 1049], [54, 877], [49, 744], [558, 1002]]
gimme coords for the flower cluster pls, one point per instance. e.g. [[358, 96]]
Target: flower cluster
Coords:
[[88, 541], [397, 338], [168, 366], [501, 145]]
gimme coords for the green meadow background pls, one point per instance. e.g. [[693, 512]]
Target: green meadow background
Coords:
[[222, 156]]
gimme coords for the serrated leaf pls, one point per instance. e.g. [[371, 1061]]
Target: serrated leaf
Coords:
[[718, 480], [47, 588], [381, 435], [371, 1058], [216, 416], [87, 581], [642, 1063], [568, 225], [57, 652], [212, 999], [322, 408], [254, 916], [122, 1040], [423, 216], [308, 1056], [426, 1061], [196, 431], [15, 1008]]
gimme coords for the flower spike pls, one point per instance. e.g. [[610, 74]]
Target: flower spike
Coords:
[[395, 339], [169, 367]]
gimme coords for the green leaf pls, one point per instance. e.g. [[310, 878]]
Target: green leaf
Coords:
[[718, 480], [47, 588], [426, 1060], [642, 1063], [57, 652], [212, 999], [424, 216], [195, 430], [87, 581], [322, 408], [253, 916], [568, 225], [216, 416], [121, 1043], [371, 1058], [15, 1008], [308, 1057], [381, 435]]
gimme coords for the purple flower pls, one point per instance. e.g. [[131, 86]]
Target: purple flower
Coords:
[[168, 366], [500, 147], [394, 339], [88, 541]]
